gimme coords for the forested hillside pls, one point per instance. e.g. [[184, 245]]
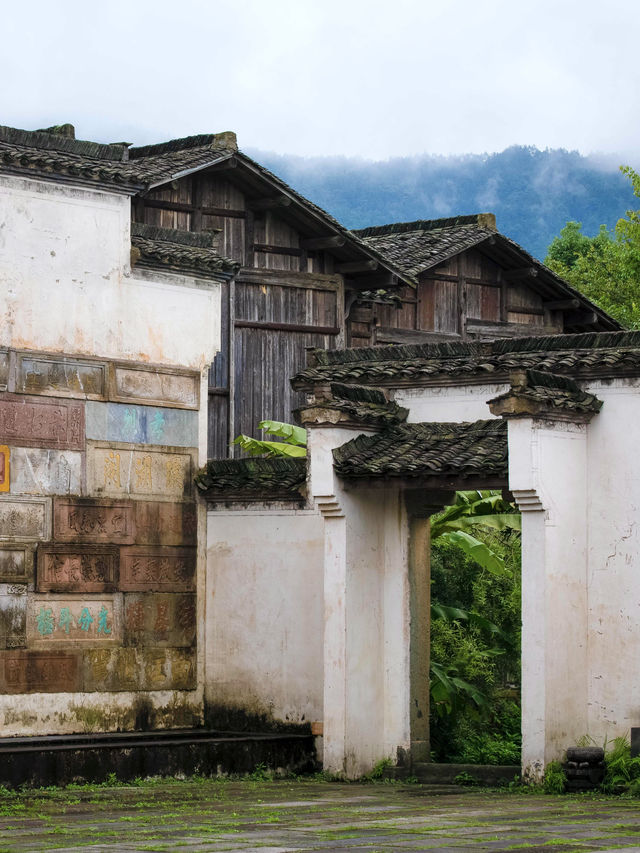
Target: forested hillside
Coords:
[[533, 193]]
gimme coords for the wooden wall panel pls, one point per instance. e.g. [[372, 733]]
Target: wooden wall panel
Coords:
[[483, 303], [426, 305], [445, 295]]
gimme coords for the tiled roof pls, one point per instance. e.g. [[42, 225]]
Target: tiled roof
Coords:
[[184, 251], [590, 354], [427, 449], [260, 478], [416, 246], [536, 392], [49, 154], [366, 406]]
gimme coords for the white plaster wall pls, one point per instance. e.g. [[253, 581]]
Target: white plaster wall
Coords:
[[264, 613], [614, 561], [448, 403], [66, 283]]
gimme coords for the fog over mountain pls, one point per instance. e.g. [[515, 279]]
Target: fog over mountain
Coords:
[[533, 193]]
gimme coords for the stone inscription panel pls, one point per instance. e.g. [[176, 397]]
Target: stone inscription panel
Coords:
[[139, 669], [155, 386], [45, 472], [159, 619], [25, 518], [40, 672], [13, 616], [5, 468], [37, 422], [60, 377], [153, 569], [160, 523], [16, 563], [77, 568], [86, 520], [74, 619], [4, 369], [117, 422], [117, 472]]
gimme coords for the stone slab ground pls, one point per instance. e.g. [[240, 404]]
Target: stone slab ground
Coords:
[[289, 816]]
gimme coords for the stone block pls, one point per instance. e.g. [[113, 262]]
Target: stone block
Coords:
[[25, 519], [145, 568], [4, 369], [117, 422], [159, 619], [119, 471], [74, 620], [158, 523], [45, 472], [77, 568], [16, 563], [133, 669], [89, 520], [38, 422], [60, 376], [5, 468], [154, 386], [168, 669], [40, 672], [13, 616]]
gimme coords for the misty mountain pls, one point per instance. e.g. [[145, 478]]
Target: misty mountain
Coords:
[[533, 193]]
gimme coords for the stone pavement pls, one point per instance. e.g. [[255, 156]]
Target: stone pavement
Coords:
[[287, 816]]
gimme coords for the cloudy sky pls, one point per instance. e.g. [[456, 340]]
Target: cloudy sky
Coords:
[[369, 78]]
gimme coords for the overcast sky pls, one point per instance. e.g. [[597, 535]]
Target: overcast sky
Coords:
[[369, 78]]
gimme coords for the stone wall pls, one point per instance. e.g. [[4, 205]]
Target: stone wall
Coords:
[[98, 527]]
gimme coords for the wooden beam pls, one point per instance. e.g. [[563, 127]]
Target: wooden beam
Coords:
[[287, 327], [333, 242], [522, 272], [277, 250], [181, 207], [357, 266], [525, 309], [269, 203], [226, 212], [381, 280], [388, 335], [580, 318], [562, 304]]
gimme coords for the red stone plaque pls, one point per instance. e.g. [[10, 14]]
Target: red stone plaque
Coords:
[[162, 523], [39, 672], [39, 422], [157, 569], [86, 520], [77, 568]]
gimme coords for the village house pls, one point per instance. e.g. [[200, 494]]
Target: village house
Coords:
[[156, 302]]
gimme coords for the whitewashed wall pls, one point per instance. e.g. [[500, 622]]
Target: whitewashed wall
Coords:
[[264, 614]]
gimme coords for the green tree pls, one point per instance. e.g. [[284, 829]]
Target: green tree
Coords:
[[606, 268]]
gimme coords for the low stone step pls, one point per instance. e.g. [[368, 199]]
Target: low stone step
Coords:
[[446, 774], [60, 759]]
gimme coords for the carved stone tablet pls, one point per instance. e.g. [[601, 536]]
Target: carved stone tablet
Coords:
[[159, 386], [4, 369], [60, 376], [5, 468], [52, 620], [45, 472], [25, 518], [149, 569], [167, 669], [118, 471], [141, 424], [159, 523], [38, 422], [159, 619], [40, 672], [16, 563], [13, 616], [77, 568], [89, 520]]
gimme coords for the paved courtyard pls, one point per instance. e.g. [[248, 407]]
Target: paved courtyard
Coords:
[[288, 816]]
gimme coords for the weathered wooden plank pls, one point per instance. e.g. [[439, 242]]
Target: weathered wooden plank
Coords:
[[411, 336], [277, 250], [287, 327]]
